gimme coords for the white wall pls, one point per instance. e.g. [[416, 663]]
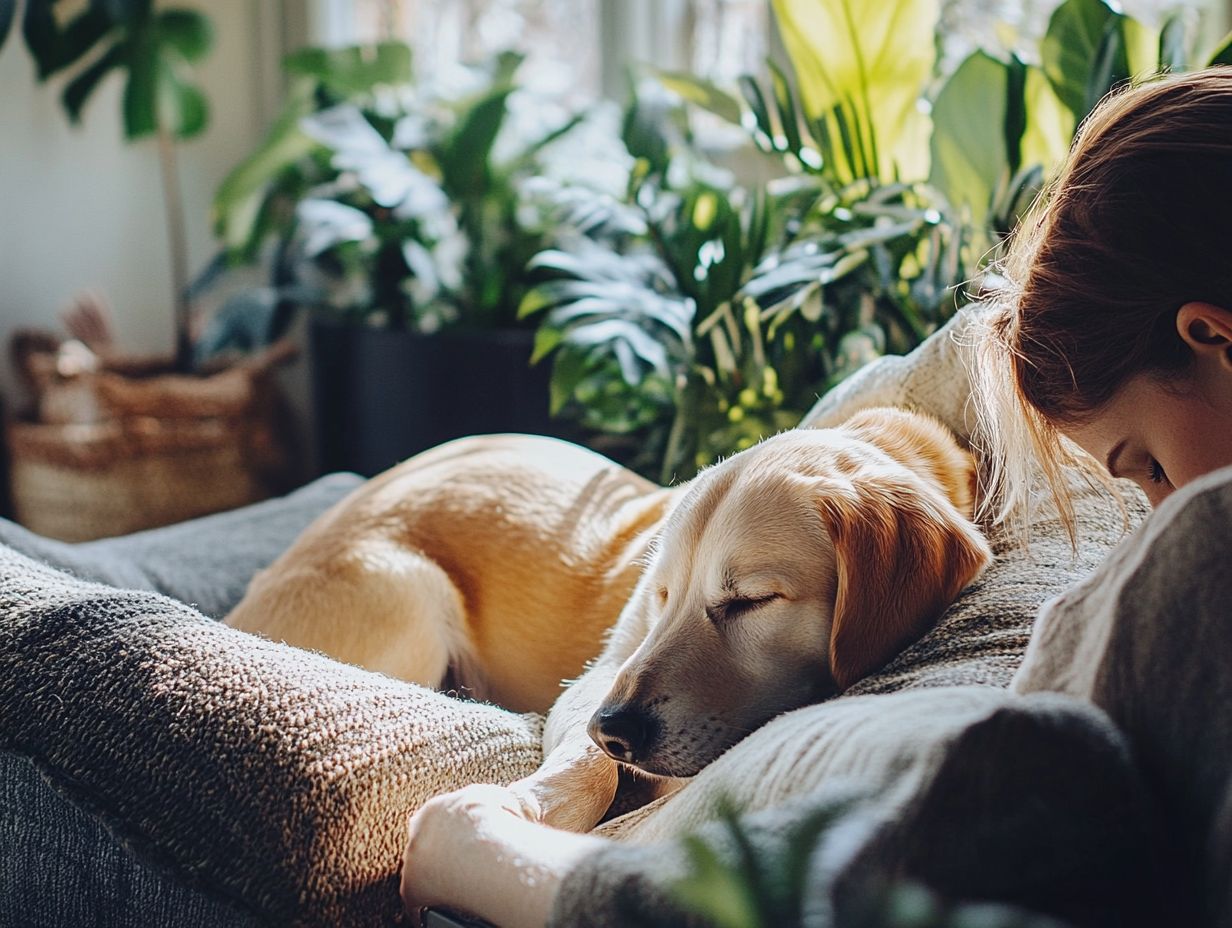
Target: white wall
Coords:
[[81, 208]]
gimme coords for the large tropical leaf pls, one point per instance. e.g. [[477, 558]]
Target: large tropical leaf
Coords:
[[1089, 48], [1050, 128], [466, 156], [871, 58], [970, 150], [1222, 53], [1173, 44], [238, 201], [706, 94], [346, 72]]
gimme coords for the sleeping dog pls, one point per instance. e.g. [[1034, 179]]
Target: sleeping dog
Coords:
[[501, 565]]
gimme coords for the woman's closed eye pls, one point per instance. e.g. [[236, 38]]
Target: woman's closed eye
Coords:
[[1155, 472]]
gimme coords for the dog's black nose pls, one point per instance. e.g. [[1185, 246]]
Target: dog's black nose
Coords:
[[624, 732]]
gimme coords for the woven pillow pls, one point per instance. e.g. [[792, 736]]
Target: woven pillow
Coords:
[[277, 779]]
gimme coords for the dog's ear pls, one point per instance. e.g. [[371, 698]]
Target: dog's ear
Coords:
[[904, 553]]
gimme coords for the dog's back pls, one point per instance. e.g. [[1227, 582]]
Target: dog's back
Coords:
[[503, 557]]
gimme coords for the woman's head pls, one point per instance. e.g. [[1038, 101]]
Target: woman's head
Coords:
[[1118, 316]]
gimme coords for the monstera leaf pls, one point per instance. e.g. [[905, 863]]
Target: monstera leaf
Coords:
[[153, 49]]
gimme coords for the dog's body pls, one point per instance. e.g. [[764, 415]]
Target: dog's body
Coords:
[[776, 578], [498, 562]]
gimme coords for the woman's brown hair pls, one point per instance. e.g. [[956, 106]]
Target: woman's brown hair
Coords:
[[1137, 223]]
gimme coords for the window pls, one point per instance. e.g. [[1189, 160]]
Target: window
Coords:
[[578, 49], [994, 24]]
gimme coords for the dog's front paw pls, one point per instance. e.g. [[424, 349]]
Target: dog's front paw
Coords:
[[573, 797]]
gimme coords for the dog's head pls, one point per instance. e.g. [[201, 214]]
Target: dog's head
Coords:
[[784, 575]]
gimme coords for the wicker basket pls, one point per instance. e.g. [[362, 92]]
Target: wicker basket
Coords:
[[162, 449]]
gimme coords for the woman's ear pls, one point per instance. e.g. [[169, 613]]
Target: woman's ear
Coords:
[[1207, 330], [904, 553]]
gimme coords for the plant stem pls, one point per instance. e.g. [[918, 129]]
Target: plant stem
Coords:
[[675, 436], [179, 249]]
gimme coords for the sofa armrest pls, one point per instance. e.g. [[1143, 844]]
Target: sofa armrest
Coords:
[[204, 562]]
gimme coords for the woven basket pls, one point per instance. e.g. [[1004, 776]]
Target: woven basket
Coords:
[[163, 449]]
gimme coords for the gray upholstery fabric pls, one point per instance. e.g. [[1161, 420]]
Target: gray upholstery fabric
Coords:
[[268, 775], [972, 791], [58, 865], [1148, 638], [206, 562]]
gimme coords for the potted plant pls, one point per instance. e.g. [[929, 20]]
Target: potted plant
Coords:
[[398, 208], [702, 315], [699, 315], [114, 444]]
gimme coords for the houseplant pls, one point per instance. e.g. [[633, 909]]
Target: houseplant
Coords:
[[396, 207], [895, 209], [117, 444], [154, 50], [702, 315]]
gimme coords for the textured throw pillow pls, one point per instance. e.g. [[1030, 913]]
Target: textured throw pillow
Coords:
[[277, 779]]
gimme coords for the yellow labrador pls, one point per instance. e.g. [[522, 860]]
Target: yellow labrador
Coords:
[[783, 574], [504, 564]]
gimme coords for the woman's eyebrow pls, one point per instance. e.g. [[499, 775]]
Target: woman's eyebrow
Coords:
[[1115, 453]]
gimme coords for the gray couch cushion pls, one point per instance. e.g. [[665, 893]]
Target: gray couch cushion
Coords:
[[206, 563], [273, 777], [975, 792]]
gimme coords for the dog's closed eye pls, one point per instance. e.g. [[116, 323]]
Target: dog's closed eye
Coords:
[[737, 606]]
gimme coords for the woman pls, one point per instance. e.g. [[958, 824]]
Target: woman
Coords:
[[1116, 327], [1115, 333]]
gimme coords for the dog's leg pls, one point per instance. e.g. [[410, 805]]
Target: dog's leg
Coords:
[[577, 781], [383, 608]]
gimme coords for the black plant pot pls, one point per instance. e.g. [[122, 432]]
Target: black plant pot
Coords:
[[381, 396]]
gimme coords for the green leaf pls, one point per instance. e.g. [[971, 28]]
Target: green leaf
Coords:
[[568, 370], [785, 100], [81, 36], [764, 129], [546, 341], [7, 9], [1222, 53], [1173, 55], [701, 93], [353, 70], [142, 90], [42, 35], [465, 158], [55, 48], [970, 128], [1071, 46], [1050, 128], [237, 202], [1111, 67], [187, 31], [1141, 47], [1015, 111], [874, 57], [183, 109], [79, 89], [719, 892]]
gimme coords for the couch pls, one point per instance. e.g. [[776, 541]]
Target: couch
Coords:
[[157, 768]]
